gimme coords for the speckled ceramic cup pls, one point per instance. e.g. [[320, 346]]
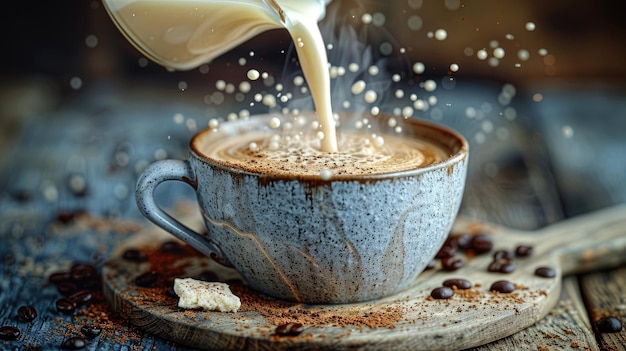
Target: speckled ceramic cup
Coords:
[[341, 240]]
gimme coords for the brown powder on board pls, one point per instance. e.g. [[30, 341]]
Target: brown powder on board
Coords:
[[171, 265]]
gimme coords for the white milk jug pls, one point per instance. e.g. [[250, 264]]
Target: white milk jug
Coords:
[[183, 34]]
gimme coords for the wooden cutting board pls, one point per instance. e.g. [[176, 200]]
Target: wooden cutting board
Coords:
[[410, 320]]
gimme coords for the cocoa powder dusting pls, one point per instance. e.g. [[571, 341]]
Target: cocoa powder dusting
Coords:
[[169, 265]]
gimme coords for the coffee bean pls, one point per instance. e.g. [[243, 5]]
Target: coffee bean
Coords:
[[74, 343], [147, 279], [502, 286], [208, 276], [451, 264], [545, 272], [65, 216], [523, 250], [609, 325], [463, 241], [27, 313], [481, 243], [134, 255], [446, 251], [9, 333], [507, 267], [90, 331], [82, 272], [59, 277], [81, 297], [443, 292], [65, 305], [503, 255], [461, 284], [494, 266], [66, 288], [172, 247], [289, 329]]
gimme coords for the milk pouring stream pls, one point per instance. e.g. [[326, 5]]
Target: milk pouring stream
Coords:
[[183, 34]]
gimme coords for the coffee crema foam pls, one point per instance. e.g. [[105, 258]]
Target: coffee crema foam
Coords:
[[299, 155]]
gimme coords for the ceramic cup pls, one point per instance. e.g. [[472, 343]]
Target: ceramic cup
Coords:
[[305, 239]]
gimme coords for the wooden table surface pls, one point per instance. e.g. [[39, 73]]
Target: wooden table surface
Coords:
[[66, 197]]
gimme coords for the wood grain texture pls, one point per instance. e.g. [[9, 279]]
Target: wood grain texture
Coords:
[[605, 296], [425, 324]]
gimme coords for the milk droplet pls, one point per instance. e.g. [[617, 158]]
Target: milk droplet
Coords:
[[482, 54], [275, 122], [415, 23], [253, 147], [253, 74], [567, 132], [358, 87], [325, 174], [419, 68], [530, 26], [370, 96], [178, 118], [373, 70], [366, 18], [379, 141], [91, 41], [523, 55], [498, 53], [214, 123], [430, 85], [454, 67], [76, 83], [441, 34]]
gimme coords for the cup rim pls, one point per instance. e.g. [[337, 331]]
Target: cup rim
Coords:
[[453, 137]]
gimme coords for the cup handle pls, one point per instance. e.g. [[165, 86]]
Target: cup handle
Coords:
[[156, 174]]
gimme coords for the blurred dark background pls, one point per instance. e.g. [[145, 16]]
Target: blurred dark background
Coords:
[[57, 52]]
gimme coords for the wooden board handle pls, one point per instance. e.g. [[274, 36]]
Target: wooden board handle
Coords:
[[587, 242]]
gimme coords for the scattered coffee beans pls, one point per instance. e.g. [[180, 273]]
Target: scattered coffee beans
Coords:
[[545, 272], [172, 247], [82, 272], [65, 305], [507, 267], [461, 284], [523, 250], [147, 279], [446, 251], [90, 331], [503, 255], [66, 288], [9, 333], [289, 329], [81, 297], [27, 313], [609, 325], [502, 286], [59, 277], [451, 263], [134, 255], [481, 243], [443, 292], [74, 343]]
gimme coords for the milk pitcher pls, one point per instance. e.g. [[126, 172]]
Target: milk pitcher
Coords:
[[184, 34]]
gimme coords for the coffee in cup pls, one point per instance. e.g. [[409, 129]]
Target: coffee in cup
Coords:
[[304, 225]]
